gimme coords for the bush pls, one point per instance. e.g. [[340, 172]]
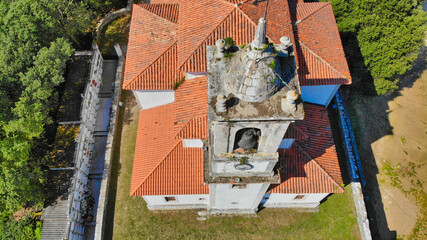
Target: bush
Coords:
[[26, 228]]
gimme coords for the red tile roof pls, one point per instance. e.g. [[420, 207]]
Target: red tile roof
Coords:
[[197, 19], [311, 165], [236, 25], [278, 18], [150, 36], [235, 1], [190, 108], [160, 51], [320, 143], [319, 39], [313, 70], [299, 173], [153, 144], [179, 173], [160, 74], [300, 10], [164, 1], [161, 164], [166, 11], [196, 128]]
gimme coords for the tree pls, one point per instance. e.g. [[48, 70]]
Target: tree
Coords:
[[33, 53], [389, 35], [20, 178]]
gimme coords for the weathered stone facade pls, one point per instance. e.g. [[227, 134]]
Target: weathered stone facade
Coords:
[[252, 93]]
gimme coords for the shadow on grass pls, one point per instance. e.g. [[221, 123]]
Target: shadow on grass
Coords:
[[124, 115]]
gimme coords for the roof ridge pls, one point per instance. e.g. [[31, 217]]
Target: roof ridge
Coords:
[[246, 16], [323, 60], [187, 123], [183, 126], [160, 162], [204, 40], [239, 3], [151, 10], [149, 65], [319, 166], [237, 10], [311, 14]]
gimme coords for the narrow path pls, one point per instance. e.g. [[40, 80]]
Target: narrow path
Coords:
[[101, 132]]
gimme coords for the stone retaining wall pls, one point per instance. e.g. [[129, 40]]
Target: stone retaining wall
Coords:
[[103, 195], [362, 214]]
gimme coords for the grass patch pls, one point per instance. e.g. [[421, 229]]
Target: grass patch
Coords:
[[177, 84], [132, 220], [115, 32]]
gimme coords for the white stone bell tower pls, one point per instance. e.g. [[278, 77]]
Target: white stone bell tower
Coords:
[[252, 98]]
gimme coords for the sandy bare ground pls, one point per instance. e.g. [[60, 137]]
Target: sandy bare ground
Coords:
[[392, 134], [405, 147]]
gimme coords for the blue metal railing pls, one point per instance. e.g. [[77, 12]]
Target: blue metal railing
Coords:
[[355, 165]]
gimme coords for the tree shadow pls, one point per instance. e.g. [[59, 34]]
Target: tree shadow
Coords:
[[339, 143], [408, 79], [129, 102], [369, 115]]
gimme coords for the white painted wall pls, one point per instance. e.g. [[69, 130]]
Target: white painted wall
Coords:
[[321, 95], [223, 197], [286, 143], [192, 143], [191, 75], [182, 201], [281, 200], [154, 98]]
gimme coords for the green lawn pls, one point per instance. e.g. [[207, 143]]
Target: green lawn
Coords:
[[132, 220]]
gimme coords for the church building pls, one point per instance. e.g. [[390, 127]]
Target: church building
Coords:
[[233, 97]]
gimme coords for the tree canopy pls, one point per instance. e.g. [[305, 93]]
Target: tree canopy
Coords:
[[20, 177], [37, 37], [389, 34]]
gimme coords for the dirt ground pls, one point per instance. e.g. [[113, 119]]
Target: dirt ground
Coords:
[[407, 146], [392, 134]]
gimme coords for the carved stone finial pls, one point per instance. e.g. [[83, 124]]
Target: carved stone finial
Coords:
[[285, 47], [220, 48], [288, 102], [221, 103], [285, 42], [260, 34]]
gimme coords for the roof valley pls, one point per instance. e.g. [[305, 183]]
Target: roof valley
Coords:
[[168, 11]]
